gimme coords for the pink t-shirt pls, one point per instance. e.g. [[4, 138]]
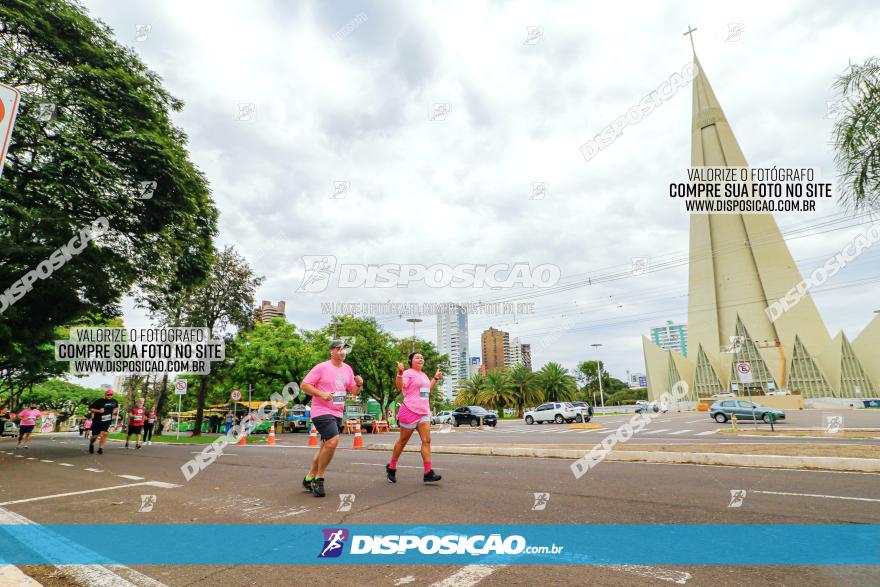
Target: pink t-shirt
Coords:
[[416, 391], [29, 417], [331, 379]]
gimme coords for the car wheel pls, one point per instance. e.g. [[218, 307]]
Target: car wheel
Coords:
[[588, 418], [765, 417], [559, 419], [720, 418], [474, 423], [530, 420], [579, 419], [455, 423]]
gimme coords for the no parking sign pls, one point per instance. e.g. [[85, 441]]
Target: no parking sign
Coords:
[[180, 387], [745, 372]]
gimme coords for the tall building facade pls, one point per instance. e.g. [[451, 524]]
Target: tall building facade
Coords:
[[517, 352], [267, 311], [526, 352], [496, 344], [671, 337], [740, 268], [452, 340], [474, 366]]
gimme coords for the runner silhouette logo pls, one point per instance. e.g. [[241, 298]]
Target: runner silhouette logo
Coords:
[[334, 541]]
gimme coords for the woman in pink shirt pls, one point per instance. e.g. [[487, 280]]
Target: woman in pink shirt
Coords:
[[414, 414], [28, 419]]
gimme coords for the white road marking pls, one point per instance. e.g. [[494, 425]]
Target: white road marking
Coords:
[[32, 458], [94, 470], [695, 421], [65, 464], [83, 574], [46, 461], [679, 432], [468, 576], [657, 431], [679, 577], [160, 484], [706, 433], [405, 580], [816, 495], [12, 575], [19, 456], [132, 477]]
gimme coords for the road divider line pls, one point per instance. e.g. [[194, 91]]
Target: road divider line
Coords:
[[131, 477], [94, 470], [706, 433], [468, 576], [679, 432], [66, 464], [816, 495], [160, 484], [97, 575], [46, 461]]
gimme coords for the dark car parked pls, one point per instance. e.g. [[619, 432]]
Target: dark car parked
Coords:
[[471, 415]]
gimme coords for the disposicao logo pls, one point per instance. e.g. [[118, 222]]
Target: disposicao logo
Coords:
[[334, 541]]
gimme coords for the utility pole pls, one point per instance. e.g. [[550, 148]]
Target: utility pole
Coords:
[[596, 345]]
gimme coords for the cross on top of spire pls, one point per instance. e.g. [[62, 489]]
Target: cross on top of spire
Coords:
[[690, 33]]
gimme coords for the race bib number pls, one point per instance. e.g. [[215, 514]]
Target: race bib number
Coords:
[[425, 392], [338, 397], [106, 417]]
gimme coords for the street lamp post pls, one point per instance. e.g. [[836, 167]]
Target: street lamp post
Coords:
[[414, 321], [596, 345]]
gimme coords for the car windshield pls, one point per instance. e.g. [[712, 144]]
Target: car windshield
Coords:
[[478, 410]]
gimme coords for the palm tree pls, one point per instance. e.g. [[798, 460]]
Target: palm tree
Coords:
[[556, 384], [525, 391], [497, 391], [855, 135], [469, 389]]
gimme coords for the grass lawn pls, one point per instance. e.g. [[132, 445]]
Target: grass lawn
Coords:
[[186, 439]]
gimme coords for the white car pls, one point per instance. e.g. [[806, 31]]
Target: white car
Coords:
[[558, 412], [444, 417], [724, 394], [779, 392]]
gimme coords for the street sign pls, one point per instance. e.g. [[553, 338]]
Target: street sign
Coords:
[[235, 395], [180, 387], [745, 372], [9, 99]]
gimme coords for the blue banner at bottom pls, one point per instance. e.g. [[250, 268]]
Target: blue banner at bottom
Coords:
[[282, 544]]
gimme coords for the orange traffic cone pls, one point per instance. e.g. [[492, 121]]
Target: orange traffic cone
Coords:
[[242, 439], [358, 439], [271, 441], [313, 436]]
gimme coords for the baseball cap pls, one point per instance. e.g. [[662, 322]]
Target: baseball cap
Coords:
[[108, 392], [339, 344]]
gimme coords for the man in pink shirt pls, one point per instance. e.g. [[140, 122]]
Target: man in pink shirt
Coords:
[[328, 384], [28, 419], [414, 414]]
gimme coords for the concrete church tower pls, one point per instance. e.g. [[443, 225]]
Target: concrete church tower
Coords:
[[739, 265]]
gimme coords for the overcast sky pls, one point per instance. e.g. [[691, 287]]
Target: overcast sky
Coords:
[[346, 92]]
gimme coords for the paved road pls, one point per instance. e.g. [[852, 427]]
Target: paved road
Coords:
[[670, 428], [260, 484]]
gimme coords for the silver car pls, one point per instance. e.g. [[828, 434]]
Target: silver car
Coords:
[[444, 417]]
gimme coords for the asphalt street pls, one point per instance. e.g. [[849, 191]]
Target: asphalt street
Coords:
[[57, 481]]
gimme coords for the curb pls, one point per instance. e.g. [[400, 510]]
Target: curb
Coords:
[[851, 464]]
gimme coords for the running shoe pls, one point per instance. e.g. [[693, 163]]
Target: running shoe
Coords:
[[137, 446], [391, 474], [307, 484], [431, 476], [318, 487], [100, 451], [92, 447]]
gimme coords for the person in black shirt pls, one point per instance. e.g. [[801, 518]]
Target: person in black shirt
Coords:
[[102, 416]]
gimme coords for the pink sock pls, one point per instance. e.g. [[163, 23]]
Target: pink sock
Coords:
[[393, 464], [427, 467]]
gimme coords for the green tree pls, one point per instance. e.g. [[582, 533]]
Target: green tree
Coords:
[[269, 356], [497, 391], [556, 384], [526, 393], [110, 131], [225, 298], [856, 135], [62, 397], [469, 390]]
